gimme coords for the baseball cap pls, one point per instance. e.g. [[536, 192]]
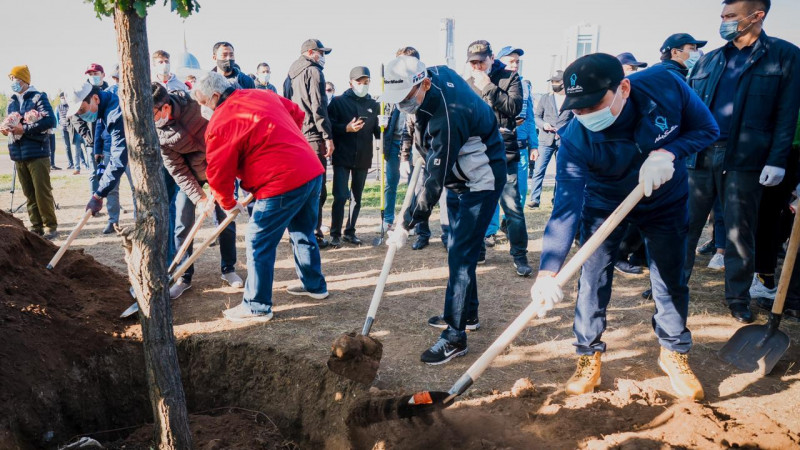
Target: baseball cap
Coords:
[[507, 50], [627, 58], [400, 76], [94, 67], [558, 76], [589, 78], [75, 95], [358, 72], [679, 40], [314, 44], [479, 51]]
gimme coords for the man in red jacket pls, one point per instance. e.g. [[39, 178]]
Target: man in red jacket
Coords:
[[255, 136]]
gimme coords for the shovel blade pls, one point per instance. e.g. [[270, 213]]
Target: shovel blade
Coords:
[[755, 348], [377, 241], [356, 357], [395, 408], [133, 309]]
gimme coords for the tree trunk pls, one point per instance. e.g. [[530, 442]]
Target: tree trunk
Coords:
[[147, 242]]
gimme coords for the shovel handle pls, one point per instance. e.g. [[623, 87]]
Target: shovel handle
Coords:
[[75, 231], [387, 262], [207, 243], [189, 239], [788, 266], [567, 271]]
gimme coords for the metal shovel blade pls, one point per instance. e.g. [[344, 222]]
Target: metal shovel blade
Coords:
[[756, 348], [356, 357], [133, 309], [377, 241]]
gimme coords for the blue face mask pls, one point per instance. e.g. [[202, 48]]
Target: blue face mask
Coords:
[[16, 86], [88, 116], [730, 30], [96, 80], [694, 56], [599, 120]]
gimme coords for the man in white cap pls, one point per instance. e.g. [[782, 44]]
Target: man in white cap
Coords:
[[457, 134]]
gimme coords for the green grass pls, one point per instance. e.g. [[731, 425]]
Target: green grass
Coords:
[[371, 198]]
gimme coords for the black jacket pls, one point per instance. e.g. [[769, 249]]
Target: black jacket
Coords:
[[675, 67], [766, 104], [35, 139], [305, 86], [353, 150], [504, 95], [547, 112]]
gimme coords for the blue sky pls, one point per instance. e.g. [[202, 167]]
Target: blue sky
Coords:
[[359, 34]]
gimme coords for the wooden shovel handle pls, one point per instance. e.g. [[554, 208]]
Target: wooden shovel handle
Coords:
[[188, 241], [75, 231], [788, 266]]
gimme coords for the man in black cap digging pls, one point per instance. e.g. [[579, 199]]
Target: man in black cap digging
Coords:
[[628, 131], [629, 63], [680, 53]]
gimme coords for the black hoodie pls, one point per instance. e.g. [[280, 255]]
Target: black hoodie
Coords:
[[354, 150], [305, 85]]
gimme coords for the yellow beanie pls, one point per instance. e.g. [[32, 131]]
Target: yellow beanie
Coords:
[[22, 73]]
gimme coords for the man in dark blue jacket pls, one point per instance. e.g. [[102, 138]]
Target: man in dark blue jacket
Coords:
[[458, 135], [752, 86], [627, 131], [224, 57], [91, 104], [29, 148]]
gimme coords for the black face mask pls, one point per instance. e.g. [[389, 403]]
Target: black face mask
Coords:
[[225, 65], [558, 87]]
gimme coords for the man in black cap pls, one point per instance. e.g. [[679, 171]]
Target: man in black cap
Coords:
[[629, 63], [225, 61], [305, 85], [550, 117], [502, 90], [627, 131], [680, 53], [354, 118]]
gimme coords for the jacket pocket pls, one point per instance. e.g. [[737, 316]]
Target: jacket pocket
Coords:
[[472, 166]]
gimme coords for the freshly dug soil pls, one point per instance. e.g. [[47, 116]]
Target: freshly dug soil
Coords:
[[356, 357]]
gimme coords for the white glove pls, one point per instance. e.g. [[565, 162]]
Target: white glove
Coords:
[[405, 169], [545, 293], [383, 120], [397, 237], [771, 176], [239, 207], [208, 207], [656, 170]]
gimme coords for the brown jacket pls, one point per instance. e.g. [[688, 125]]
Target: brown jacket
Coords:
[[183, 145]]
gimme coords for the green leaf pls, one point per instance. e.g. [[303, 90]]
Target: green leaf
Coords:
[[141, 8]]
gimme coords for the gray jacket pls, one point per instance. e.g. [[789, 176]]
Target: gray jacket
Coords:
[[547, 112]]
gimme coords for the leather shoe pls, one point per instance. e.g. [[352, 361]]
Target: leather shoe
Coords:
[[741, 312], [420, 243], [352, 238], [336, 242]]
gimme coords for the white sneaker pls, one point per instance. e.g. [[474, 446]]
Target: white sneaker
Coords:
[[758, 290], [234, 280], [717, 262], [178, 289]]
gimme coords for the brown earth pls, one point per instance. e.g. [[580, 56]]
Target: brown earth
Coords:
[[279, 367]]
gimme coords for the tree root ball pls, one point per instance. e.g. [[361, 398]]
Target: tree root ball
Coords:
[[353, 345]]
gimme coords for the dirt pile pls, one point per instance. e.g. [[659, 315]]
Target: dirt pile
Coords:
[[64, 357]]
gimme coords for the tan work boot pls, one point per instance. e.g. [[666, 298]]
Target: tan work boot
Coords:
[[586, 376], [676, 366]]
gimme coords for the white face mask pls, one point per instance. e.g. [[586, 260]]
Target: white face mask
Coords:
[[360, 90], [263, 78], [321, 60], [599, 120], [162, 68], [206, 112]]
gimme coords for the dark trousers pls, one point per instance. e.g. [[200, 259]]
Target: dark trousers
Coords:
[[740, 194], [68, 144], [664, 232], [469, 214], [771, 231], [319, 149], [348, 183], [52, 138]]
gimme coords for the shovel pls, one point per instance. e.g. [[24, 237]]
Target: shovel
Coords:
[[188, 241], [379, 240], [425, 402], [60, 253], [355, 356], [758, 348], [134, 308]]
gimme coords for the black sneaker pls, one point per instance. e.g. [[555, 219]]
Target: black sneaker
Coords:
[[420, 243], [523, 269], [443, 351], [490, 241], [438, 322], [352, 238], [648, 294], [322, 242], [532, 205], [482, 257], [708, 248], [336, 242], [628, 268]]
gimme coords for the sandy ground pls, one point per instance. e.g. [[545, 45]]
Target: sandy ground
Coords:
[[542, 353]]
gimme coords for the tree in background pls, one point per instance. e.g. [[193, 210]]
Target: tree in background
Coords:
[[3, 105], [146, 244]]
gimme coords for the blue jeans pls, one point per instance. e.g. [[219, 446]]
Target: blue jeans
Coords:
[[515, 218], [172, 192], [342, 176], [68, 144], [469, 215], [665, 236], [184, 221], [524, 164], [297, 210], [539, 170], [392, 180]]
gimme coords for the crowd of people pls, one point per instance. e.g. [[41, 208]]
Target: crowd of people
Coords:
[[705, 135]]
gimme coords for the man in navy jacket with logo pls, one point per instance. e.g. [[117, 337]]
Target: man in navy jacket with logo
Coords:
[[628, 130]]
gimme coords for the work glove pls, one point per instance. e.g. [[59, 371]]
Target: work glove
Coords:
[[239, 207], [208, 207], [656, 170], [545, 293], [397, 237], [383, 120], [405, 169], [95, 204], [771, 176]]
